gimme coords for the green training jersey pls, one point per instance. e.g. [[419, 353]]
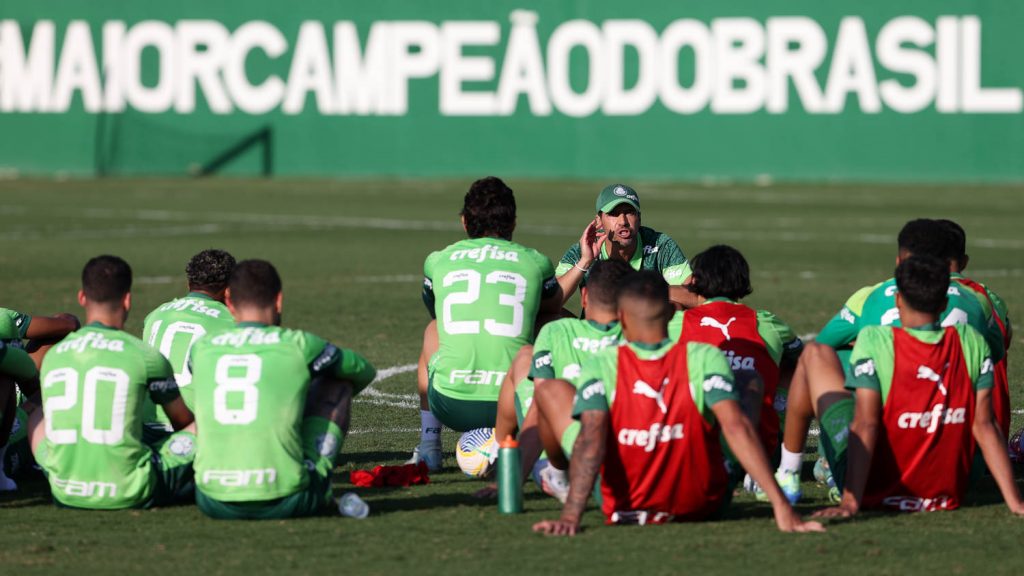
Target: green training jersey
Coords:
[[250, 384], [484, 293], [94, 383], [656, 251], [779, 338], [991, 302], [172, 328], [561, 349], [873, 358], [13, 325], [876, 306], [710, 377]]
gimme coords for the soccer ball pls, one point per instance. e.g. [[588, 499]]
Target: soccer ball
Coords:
[[476, 452]]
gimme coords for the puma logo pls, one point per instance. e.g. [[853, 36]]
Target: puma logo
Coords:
[[644, 389], [709, 321], [926, 373]]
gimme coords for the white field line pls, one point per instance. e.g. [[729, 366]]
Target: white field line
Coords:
[[810, 336], [384, 431], [155, 279], [371, 395]]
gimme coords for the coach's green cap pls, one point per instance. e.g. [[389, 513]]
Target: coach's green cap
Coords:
[[615, 194]]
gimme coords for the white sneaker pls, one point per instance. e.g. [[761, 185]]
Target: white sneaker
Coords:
[[554, 483], [429, 453]]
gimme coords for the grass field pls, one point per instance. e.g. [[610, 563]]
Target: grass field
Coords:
[[351, 257]]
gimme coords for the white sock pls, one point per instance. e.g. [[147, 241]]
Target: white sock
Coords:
[[430, 428], [791, 461]]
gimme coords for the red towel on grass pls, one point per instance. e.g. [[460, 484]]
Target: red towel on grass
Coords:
[[404, 475]]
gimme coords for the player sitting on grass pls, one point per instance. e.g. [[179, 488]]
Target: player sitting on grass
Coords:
[[174, 326], [876, 305], [758, 345], [905, 438], [484, 294], [42, 332], [650, 415], [88, 435], [999, 314], [616, 234], [272, 407], [561, 349]]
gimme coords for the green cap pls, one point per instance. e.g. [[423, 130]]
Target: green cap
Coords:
[[615, 194]]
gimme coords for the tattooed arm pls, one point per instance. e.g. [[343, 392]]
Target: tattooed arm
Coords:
[[587, 456]]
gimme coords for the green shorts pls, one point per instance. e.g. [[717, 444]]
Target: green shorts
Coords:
[[459, 415], [321, 444], [835, 437], [524, 398], [171, 465]]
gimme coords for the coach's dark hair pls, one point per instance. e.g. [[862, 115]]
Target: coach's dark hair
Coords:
[[604, 280], [210, 270], [922, 282], [720, 272], [489, 209], [927, 237], [106, 279], [254, 283], [959, 241], [648, 286]]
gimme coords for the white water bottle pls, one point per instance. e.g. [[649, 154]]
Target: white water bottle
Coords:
[[351, 505]]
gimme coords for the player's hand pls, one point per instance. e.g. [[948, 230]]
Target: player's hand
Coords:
[[834, 512], [557, 527], [590, 242], [789, 521], [70, 318], [487, 492]]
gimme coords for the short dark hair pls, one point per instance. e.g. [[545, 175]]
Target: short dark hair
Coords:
[[646, 285], [255, 283], [106, 279], [922, 282], [603, 281], [210, 270], [959, 240], [720, 271], [927, 237], [489, 209]]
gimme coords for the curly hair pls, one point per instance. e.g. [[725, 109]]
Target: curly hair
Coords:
[[720, 272], [489, 209], [210, 270]]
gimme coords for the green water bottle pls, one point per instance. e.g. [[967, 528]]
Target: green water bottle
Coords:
[[510, 485]]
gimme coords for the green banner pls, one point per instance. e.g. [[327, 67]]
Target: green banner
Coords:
[[801, 90]]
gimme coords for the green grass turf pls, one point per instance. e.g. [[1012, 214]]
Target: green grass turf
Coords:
[[351, 256]]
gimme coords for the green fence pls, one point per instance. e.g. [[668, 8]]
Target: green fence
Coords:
[[799, 90]]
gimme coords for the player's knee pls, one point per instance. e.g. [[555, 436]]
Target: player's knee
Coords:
[[816, 354]]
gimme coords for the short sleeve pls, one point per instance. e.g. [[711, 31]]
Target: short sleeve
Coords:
[[672, 263], [569, 259], [542, 366], [595, 388], [159, 377]]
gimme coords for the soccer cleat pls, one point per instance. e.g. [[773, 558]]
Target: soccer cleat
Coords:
[[789, 482], [554, 482], [823, 474], [751, 486], [428, 453]]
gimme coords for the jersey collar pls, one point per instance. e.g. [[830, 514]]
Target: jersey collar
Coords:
[[651, 347], [199, 295], [603, 327], [98, 324]]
